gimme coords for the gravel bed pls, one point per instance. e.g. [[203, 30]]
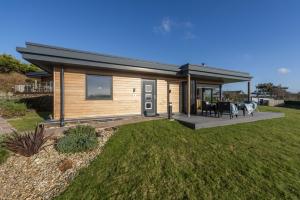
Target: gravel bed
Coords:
[[46, 174]]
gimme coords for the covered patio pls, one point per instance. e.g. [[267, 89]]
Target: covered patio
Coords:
[[204, 84]]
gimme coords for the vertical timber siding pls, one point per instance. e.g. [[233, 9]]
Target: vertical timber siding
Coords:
[[174, 95], [162, 96], [124, 102]]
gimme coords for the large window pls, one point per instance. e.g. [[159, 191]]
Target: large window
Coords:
[[98, 87]]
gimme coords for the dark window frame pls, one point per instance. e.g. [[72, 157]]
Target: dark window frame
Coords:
[[98, 98]]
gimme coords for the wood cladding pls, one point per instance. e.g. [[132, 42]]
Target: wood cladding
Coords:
[[124, 102]]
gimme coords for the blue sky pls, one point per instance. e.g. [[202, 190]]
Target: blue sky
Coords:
[[257, 36]]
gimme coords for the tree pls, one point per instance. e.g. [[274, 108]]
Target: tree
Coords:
[[271, 90], [10, 64]]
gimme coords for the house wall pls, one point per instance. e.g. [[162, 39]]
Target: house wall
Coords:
[[123, 102]]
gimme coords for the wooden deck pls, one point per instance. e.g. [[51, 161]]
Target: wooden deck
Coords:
[[198, 122]]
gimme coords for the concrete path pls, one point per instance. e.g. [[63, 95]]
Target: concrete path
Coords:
[[5, 127]]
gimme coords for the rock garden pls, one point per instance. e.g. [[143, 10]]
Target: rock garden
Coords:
[[40, 166]]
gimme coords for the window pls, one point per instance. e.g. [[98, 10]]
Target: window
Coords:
[[98, 87]]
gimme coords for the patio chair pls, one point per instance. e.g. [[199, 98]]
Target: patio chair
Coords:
[[206, 107], [227, 107], [250, 107]]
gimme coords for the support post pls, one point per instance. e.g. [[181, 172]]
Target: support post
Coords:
[[220, 92], [249, 90], [189, 95], [62, 100], [168, 97]]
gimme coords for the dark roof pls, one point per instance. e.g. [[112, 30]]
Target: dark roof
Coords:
[[213, 72], [39, 54], [46, 57], [37, 74]]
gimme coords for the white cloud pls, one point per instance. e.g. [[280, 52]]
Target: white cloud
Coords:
[[165, 26], [283, 70], [168, 25], [188, 35]]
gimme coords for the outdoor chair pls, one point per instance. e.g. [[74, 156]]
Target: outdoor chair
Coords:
[[227, 107], [250, 107], [208, 108], [205, 107]]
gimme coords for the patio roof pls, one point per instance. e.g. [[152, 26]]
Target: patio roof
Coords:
[[208, 73], [46, 57]]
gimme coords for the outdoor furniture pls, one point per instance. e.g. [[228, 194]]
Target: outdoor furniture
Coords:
[[250, 107], [208, 108], [227, 107], [241, 106]]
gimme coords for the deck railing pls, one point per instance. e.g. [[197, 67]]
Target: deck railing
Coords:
[[35, 88]]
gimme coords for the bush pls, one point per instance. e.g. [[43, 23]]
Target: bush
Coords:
[[9, 108], [26, 144], [9, 63], [78, 139]]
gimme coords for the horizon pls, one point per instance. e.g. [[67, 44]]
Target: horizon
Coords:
[[250, 37]]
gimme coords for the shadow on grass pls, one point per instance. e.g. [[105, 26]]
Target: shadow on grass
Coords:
[[44, 115]]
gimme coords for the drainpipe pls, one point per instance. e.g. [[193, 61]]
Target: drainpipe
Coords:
[[189, 95], [220, 92], [62, 100], [249, 90]]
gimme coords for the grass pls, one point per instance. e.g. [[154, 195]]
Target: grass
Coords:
[[165, 160], [29, 121], [4, 154]]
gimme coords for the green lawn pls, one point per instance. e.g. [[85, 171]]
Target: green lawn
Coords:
[[3, 152], [29, 121], [165, 160]]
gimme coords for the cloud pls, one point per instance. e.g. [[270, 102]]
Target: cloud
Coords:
[[165, 26], [283, 70], [168, 25], [189, 35]]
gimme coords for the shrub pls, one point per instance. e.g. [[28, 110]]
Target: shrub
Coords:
[[80, 129], [9, 63], [78, 139], [10, 108], [26, 144]]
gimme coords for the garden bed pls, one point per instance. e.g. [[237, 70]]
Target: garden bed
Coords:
[[45, 174]]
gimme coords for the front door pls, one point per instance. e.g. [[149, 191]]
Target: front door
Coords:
[[149, 97]]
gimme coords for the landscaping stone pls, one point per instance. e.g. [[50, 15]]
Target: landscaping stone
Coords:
[[42, 176]]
